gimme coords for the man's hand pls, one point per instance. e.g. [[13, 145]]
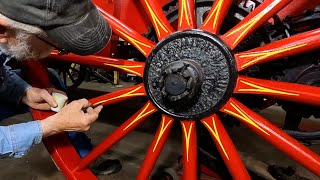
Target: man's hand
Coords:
[[40, 99], [71, 118]]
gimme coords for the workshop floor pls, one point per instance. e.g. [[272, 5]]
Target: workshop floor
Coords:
[[131, 150]]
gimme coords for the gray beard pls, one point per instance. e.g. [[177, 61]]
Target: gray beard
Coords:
[[20, 48]]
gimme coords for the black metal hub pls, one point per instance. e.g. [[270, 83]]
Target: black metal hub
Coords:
[[180, 80], [190, 74]]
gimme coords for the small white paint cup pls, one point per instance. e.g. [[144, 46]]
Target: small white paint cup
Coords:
[[61, 100]]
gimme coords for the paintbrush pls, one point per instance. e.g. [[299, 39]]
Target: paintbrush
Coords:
[[91, 105]]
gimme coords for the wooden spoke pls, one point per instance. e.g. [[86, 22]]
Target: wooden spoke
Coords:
[[216, 16], [280, 90], [226, 148], [131, 67], [155, 148], [300, 43], [141, 43], [189, 150], [117, 96], [117, 135], [158, 18], [254, 20], [274, 135], [186, 16]]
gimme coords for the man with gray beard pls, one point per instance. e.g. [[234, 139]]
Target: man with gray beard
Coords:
[[32, 29]]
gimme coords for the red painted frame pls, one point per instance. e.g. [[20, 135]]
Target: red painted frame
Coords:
[[75, 168]]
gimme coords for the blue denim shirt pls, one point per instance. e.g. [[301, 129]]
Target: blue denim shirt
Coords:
[[15, 140]]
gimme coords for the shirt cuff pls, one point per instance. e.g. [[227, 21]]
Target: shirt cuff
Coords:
[[26, 88], [23, 136]]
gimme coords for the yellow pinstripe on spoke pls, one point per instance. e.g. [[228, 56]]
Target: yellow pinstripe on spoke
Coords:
[[187, 136], [163, 128], [256, 88], [142, 114], [247, 26], [135, 42], [128, 94], [216, 13], [215, 133], [184, 13], [157, 23], [264, 55], [127, 68], [239, 114]]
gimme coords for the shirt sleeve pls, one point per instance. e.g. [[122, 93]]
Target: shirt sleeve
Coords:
[[16, 140], [13, 86]]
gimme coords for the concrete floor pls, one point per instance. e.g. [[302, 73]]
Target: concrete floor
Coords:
[[131, 150]]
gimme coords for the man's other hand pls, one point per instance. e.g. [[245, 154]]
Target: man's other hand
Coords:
[[40, 99], [71, 118]]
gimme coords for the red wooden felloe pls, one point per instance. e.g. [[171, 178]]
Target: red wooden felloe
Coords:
[[59, 146]]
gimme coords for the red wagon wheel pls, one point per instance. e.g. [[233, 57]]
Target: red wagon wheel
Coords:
[[192, 75]]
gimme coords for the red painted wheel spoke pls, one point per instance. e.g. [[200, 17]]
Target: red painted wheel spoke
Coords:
[[158, 18], [186, 16], [117, 96], [103, 62], [189, 145], [155, 147], [280, 90], [274, 135], [141, 43], [255, 19], [216, 16], [290, 46], [226, 147], [117, 135]]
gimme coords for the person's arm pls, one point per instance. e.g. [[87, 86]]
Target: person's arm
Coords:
[[13, 87], [16, 140]]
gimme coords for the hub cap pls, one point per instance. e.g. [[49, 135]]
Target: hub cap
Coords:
[[190, 74]]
